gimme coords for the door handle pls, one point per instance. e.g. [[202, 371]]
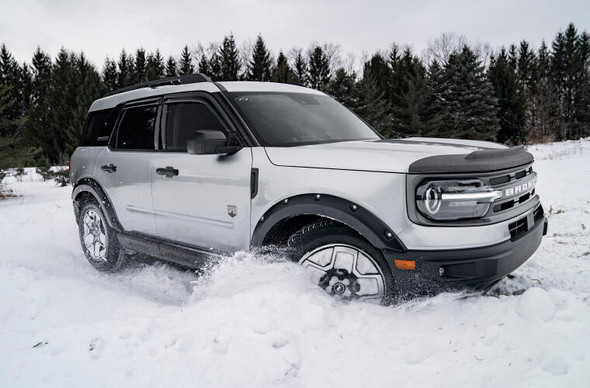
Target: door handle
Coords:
[[168, 172], [110, 168]]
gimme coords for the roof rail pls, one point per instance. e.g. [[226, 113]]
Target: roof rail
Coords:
[[178, 80]]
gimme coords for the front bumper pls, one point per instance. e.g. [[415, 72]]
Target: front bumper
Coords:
[[476, 268]]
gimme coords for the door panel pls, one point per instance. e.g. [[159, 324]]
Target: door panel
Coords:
[[128, 186], [196, 206], [200, 200]]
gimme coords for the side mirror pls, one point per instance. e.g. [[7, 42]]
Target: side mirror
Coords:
[[209, 142]]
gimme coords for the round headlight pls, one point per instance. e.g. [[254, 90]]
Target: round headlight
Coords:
[[432, 199]]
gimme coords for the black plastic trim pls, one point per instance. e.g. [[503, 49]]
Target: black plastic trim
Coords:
[[254, 183], [358, 218], [475, 162], [170, 251], [91, 186], [477, 268]]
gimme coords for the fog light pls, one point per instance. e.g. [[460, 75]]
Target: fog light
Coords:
[[405, 264], [441, 271]]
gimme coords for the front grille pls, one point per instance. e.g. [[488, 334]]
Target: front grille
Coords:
[[515, 181]]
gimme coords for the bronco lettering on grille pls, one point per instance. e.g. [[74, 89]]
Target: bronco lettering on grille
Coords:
[[521, 188]]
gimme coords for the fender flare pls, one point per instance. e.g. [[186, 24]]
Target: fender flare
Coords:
[[87, 185], [354, 216]]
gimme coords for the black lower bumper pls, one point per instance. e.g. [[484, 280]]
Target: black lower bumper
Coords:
[[475, 268]]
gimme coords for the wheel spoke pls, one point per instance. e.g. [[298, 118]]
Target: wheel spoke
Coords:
[[323, 260], [351, 274], [88, 239], [344, 259], [368, 286]]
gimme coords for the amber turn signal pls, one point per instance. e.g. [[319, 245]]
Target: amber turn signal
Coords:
[[405, 264]]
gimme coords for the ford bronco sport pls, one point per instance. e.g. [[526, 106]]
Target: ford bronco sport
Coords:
[[183, 169]]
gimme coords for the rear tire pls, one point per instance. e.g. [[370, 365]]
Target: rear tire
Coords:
[[99, 241], [344, 264]]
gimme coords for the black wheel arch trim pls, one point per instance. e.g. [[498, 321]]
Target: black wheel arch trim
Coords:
[[328, 206], [91, 186]]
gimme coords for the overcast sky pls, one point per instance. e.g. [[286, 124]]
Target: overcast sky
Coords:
[[102, 28]]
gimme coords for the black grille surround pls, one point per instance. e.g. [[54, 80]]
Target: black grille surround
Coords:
[[517, 185]]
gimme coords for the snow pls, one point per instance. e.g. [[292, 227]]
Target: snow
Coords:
[[255, 320]]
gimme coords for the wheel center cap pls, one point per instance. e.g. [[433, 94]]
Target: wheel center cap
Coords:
[[339, 288]]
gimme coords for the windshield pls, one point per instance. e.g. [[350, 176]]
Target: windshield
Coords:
[[288, 119]]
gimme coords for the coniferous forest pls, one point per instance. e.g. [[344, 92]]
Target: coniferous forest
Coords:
[[518, 94]]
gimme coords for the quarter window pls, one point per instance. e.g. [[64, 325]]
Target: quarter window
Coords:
[[136, 130], [97, 129], [182, 119]]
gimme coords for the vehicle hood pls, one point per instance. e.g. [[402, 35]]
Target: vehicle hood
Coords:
[[374, 155]]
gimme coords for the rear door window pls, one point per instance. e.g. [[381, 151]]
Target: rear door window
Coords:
[[137, 128]]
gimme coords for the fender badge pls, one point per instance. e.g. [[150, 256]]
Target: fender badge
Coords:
[[232, 210]]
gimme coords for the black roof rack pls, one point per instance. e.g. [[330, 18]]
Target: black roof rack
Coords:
[[179, 80]]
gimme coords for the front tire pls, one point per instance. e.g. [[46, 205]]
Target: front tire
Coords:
[[343, 263], [99, 241]]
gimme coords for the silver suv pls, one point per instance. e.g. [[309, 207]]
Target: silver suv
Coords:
[[184, 169]]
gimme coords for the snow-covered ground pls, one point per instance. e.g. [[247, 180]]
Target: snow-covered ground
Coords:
[[255, 321]]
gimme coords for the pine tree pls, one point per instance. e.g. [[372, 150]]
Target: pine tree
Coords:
[[7, 124], [526, 72], [341, 87], [435, 114], [526, 67], [300, 70], [10, 78], [407, 89], [513, 56], [27, 89], [88, 87], [543, 99], [125, 73], [110, 74], [582, 100], [204, 65], [319, 69], [282, 72], [171, 67], [568, 74], [155, 66], [470, 97], [228, 60], [370, 104], [382, 73], [36, 131], [139, 67], [511, 100], [185, 66], [62, 103], [259, 68], [214, 64]]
